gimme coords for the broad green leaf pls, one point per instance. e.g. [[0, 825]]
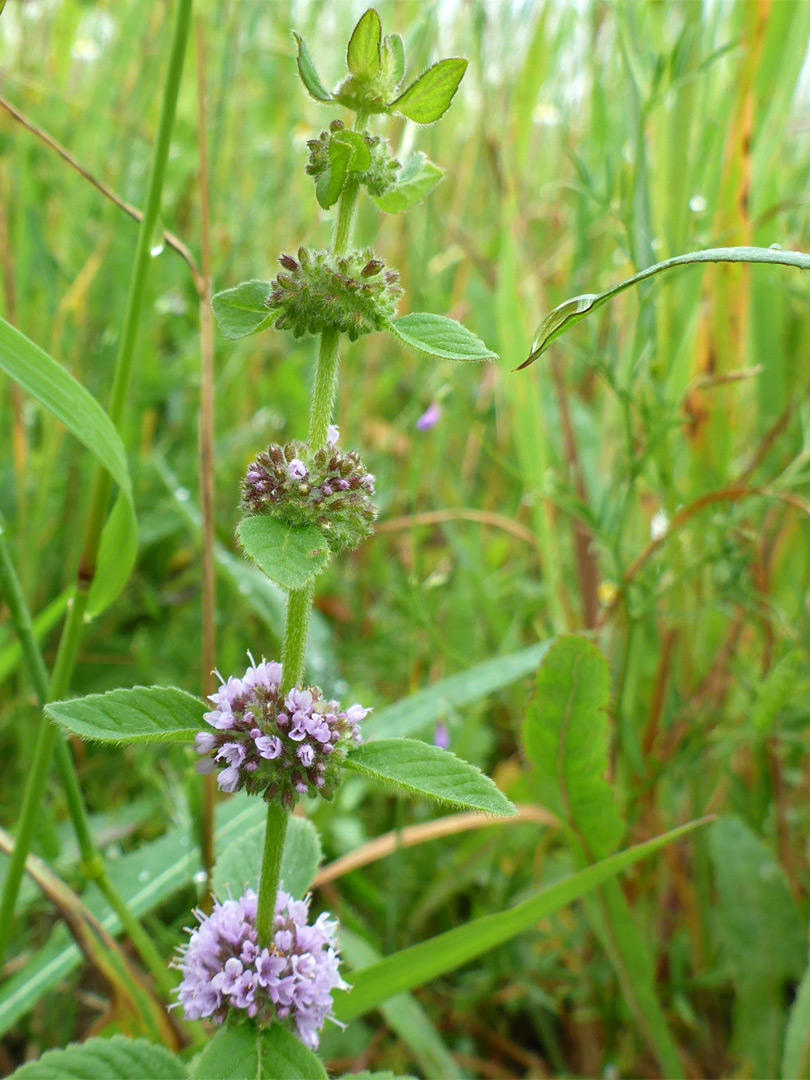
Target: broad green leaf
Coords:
[[565, 736], [116, 556], [144, 878], [117, 1058], [418, 711], [360, 158], [52, 386], [421, 963], [415, 180], [796, 1060], [430, 95], [242, 310], [438, 336], [363, 53], [290, 555], [309, 76], [764, 938], [404, 1015], [239, 865], [138, 714], [565, 315], [245, 1053], [330, 183], [426, 770]]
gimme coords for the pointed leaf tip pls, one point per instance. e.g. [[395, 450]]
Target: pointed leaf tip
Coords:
[[309, 76], [429, 97], [363, 52]]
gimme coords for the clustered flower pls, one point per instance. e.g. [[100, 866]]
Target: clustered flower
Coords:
[[279, 745], [352, 294], [291, 979], [379, 177], [327, 488]]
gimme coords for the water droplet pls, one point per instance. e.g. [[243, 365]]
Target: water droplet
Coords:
[[157, 241], [774, 247], [143, 875], [181, 494], [199, 877], [697, 204]]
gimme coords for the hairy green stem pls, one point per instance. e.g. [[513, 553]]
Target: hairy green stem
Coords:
[[299, 601], [74, 622], [274, 834]]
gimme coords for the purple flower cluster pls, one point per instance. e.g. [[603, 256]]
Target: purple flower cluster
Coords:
[[291, 979], [325, 488], [279, 745]]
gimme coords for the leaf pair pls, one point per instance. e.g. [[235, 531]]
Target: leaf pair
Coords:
[[347, 153]]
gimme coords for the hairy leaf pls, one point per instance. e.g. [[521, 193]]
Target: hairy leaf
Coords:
[[242, 310], [429, 97], [393, 56], [138, 714], [309, 76], [117, 1058], [439, 336], [243, 1051], [290, 555], [565, 315], [415, 180], [363, 53], [426, 770], [239, 865], [565, 736], [419, 964]]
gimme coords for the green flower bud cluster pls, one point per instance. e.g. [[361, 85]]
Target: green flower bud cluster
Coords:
[[328, 489], [379, 177], [353, 293]]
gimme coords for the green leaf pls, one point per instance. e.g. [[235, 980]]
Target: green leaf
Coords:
[[430, 95], [363, 53], [418, 711], [419, 964], [239, 865], [565, 736], [393, 59], [244, 1053], [116, 556], [565, 315], [360, 158], [796, 1060], [438, 336], [117, 1058], [764, 939], [415, 181], [139, 714], [404, 1015], [365, 1075], [426, 770], [330, 183], [290, 555], [54, 388], [309, 76], [242, 310]]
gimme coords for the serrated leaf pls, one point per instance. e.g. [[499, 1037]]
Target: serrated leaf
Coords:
[[430, 95], [116, 1058], [421, 963], [426, 770], [363, 53], [309, 76], [139, 714], [242, 310], [417, 178], [240, 1052], [290, 555], [439, 336], [239, 865], [565, 736]]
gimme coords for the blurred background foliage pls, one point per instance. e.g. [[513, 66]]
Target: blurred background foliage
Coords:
[[646, 478]]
